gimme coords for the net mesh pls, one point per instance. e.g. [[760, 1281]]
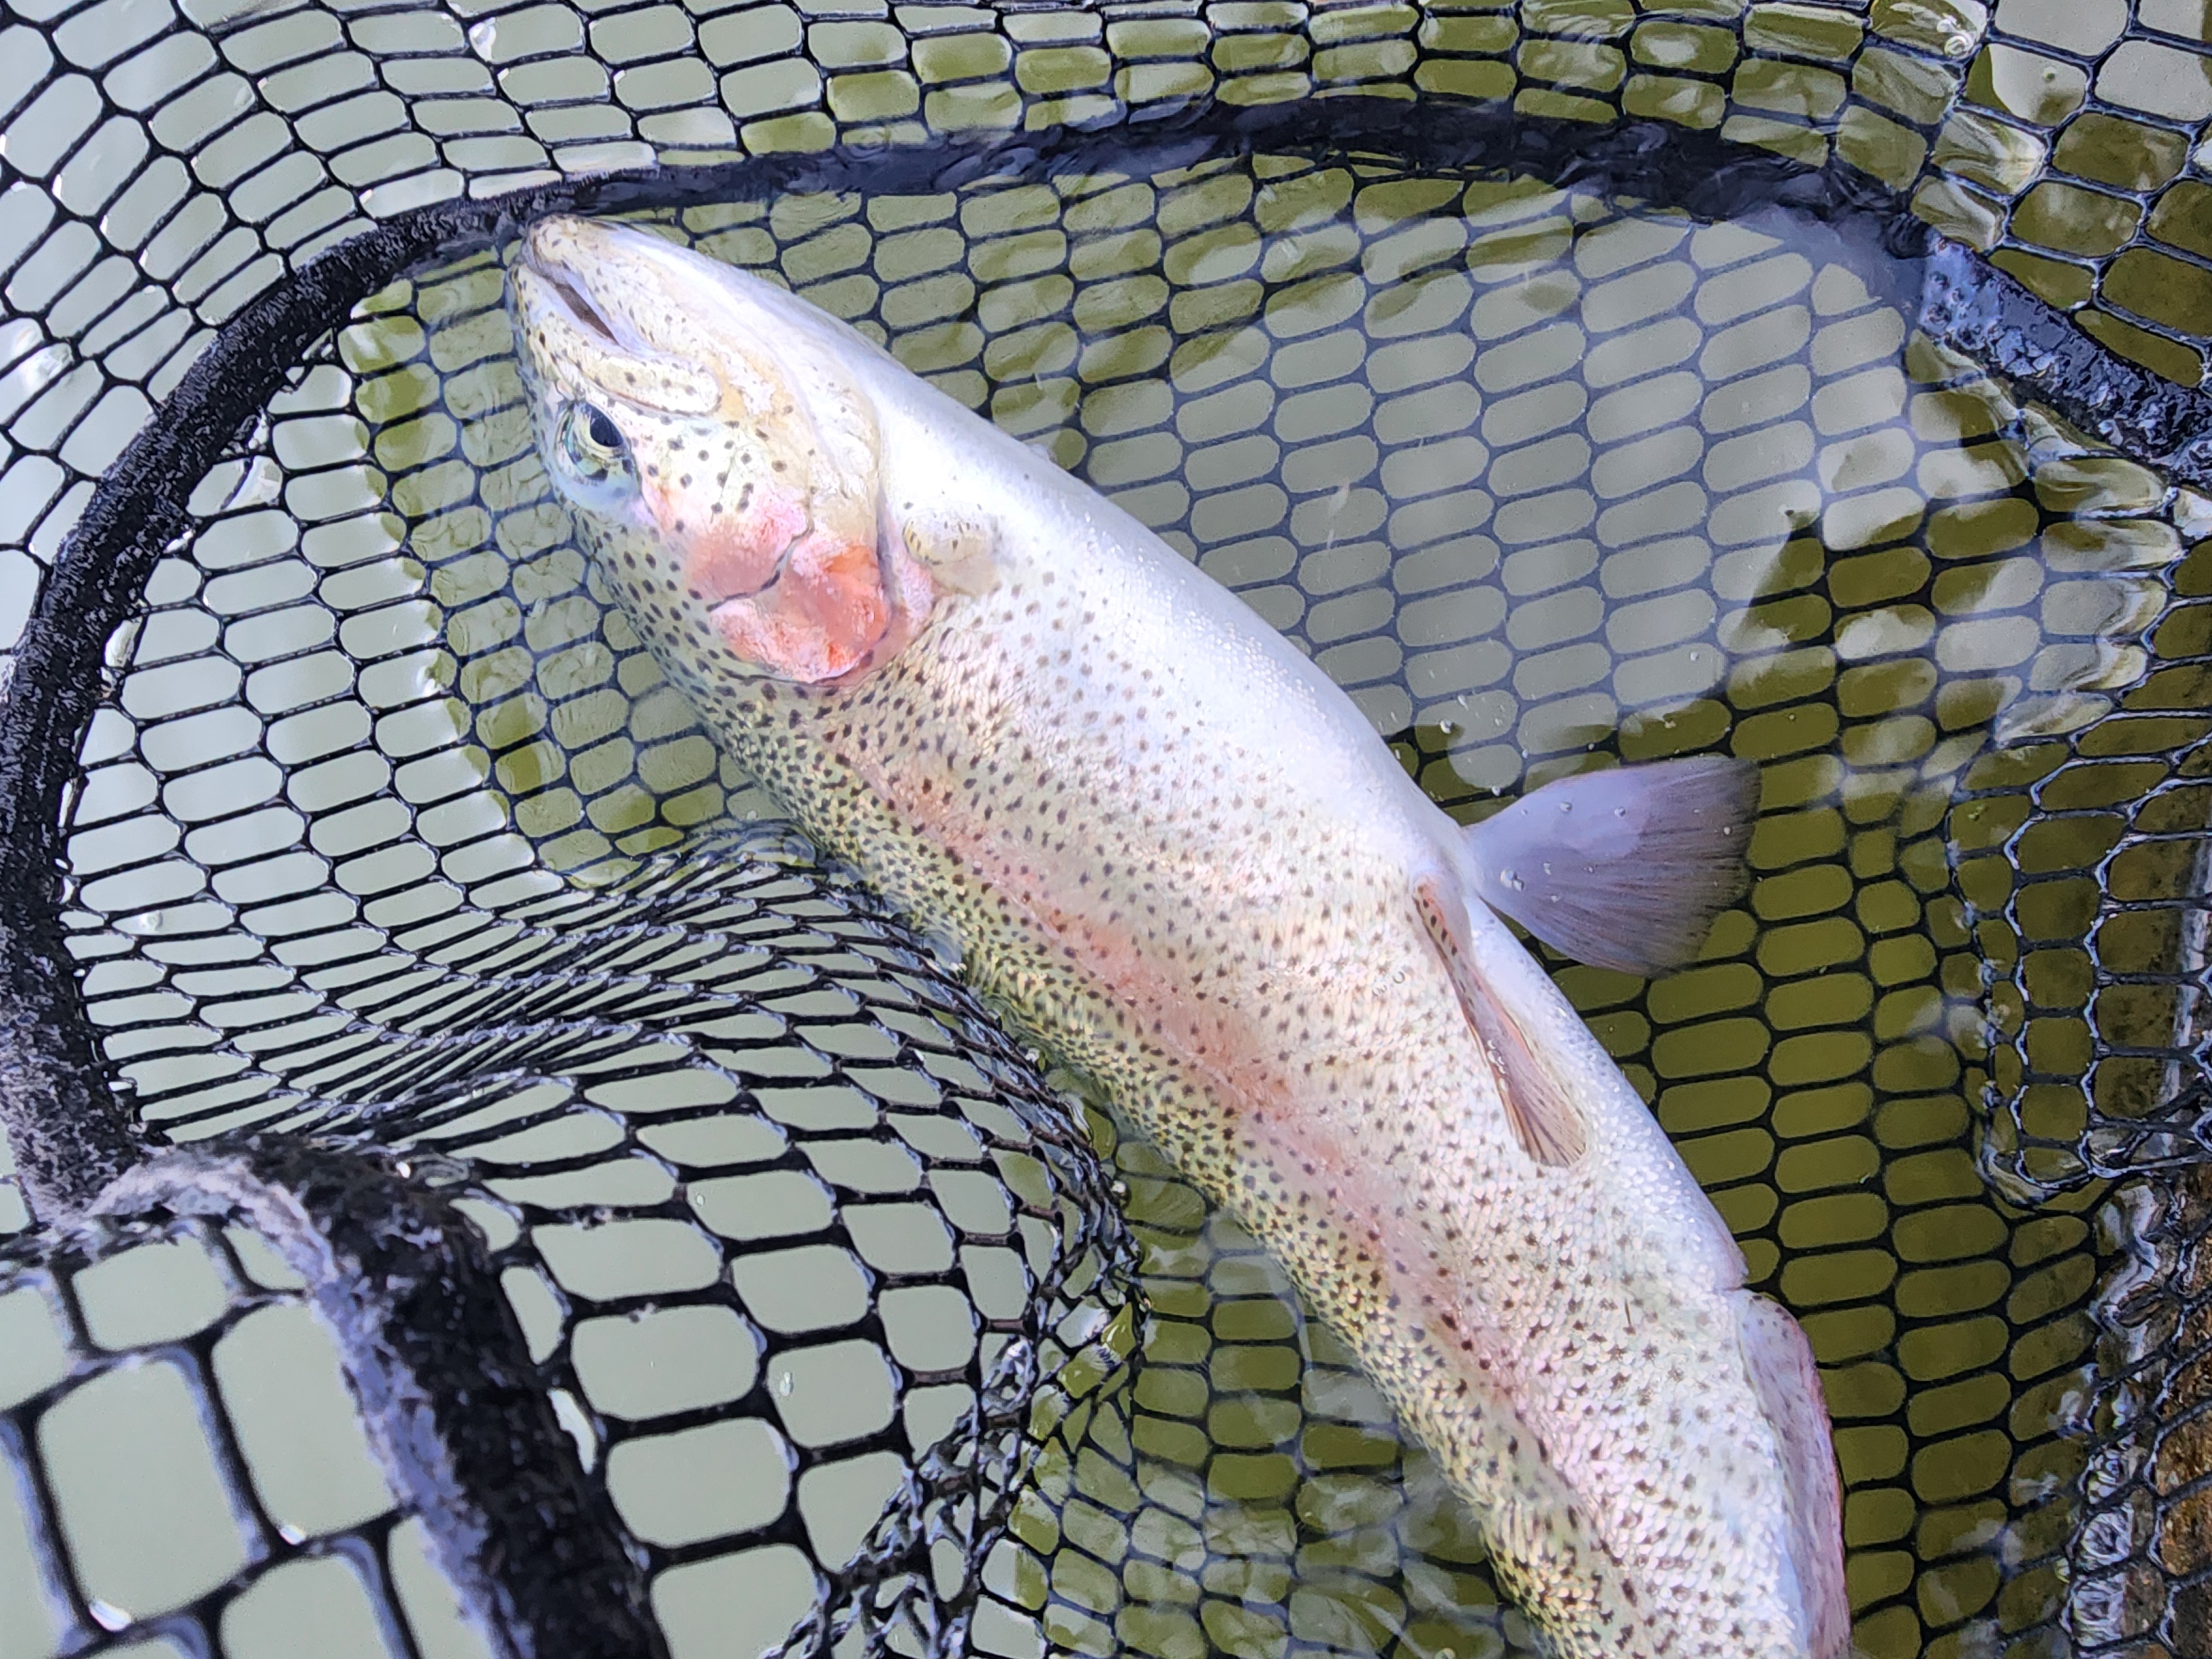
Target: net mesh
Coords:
[[385, 824], [847, 1306], [252, 1551]]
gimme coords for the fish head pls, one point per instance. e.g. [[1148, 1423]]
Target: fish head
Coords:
[[721, 460]]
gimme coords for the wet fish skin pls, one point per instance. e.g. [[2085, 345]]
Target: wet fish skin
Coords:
[[1175, 851]]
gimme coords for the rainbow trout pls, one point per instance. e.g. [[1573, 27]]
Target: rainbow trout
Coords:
[[1175, 852]]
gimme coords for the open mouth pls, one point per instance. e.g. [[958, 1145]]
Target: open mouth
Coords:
[[578, 305], [566, 294]]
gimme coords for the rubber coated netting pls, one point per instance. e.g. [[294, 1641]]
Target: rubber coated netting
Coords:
[[562, 1217]]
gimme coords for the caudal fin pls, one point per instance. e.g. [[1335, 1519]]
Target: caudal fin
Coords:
[[1627, 868]]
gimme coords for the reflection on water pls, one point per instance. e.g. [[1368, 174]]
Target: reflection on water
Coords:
[[1544, 481]]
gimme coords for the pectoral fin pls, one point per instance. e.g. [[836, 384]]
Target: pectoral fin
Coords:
[[959, 554], [1541, 1110], [1623, 869]]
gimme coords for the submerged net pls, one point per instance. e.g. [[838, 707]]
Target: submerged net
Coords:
[[731, 1220], [702, 1265]]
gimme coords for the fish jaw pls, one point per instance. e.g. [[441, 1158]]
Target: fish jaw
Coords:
[[742, 506]]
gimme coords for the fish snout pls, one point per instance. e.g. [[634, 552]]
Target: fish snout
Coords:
[[574, 273], [585, 254], [554, 242]]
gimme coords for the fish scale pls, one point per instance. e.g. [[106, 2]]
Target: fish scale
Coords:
[[1170, 850]]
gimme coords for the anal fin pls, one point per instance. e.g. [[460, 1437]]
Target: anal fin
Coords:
[[1544, 1115], [1787, 1384]]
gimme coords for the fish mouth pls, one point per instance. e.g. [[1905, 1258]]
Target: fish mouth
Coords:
[[555, 283], [574, 304]]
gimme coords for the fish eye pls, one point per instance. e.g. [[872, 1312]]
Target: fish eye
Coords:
[[593, 456]]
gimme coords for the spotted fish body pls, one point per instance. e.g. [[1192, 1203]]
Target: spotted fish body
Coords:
[[1175, 852]]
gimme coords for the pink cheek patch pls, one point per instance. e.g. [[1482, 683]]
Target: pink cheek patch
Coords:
[[820, 620], [726, 557]]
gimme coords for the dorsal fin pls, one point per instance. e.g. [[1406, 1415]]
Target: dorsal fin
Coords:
[[1545, 1116], [1622, 869]]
